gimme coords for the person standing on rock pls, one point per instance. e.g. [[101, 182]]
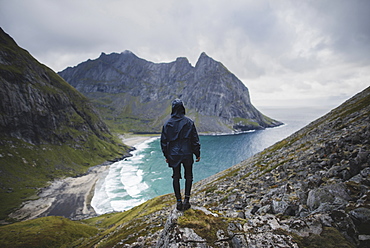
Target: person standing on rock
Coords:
[[179, 142]]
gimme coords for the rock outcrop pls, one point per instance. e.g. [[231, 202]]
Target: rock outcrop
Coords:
[[133, 94]]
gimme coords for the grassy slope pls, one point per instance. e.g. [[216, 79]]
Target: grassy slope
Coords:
[[103, 231], [24, 167], [44, 232], [124, 113]]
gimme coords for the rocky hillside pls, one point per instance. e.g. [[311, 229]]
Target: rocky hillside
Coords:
[[47, 128], [308, 190], [133, 94]]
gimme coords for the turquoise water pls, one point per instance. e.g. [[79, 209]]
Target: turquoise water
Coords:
[[145, 175]]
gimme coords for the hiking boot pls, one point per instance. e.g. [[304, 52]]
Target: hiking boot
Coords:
[[186, 204], [179, 205]]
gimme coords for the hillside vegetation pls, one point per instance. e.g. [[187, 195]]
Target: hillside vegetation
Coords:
[[47, 128]]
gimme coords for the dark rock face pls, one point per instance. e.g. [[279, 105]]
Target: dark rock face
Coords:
[[38, 106], [124, 87]]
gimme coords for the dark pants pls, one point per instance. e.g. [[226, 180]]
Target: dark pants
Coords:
[[187, 162]]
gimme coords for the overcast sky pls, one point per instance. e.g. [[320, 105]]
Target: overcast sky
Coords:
[[285, 51]]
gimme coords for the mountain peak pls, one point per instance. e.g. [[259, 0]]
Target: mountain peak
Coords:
[[205, 60], [182, 59], [220, 100], [127, 52], [204, 56]]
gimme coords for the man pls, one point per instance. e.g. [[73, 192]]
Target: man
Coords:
[[179, 141]]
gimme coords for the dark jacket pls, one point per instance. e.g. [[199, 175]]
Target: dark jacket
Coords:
[[179, 136]]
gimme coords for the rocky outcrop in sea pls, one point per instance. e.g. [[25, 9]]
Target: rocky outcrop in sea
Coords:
[[133, 94]]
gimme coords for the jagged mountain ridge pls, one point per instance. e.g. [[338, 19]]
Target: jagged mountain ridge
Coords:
[[47, 128], [135, 94]]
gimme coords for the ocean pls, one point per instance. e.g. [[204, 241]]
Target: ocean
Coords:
[[145, 175]]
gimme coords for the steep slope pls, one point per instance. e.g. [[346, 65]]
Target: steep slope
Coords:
[[133, 94], [47, 128], [311, 189], [308, 190]]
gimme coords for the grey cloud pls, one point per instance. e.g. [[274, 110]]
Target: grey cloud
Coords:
[[274, 46], [346, 23]]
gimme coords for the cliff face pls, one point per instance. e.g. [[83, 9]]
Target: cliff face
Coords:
[[47, 128], [37, 105], [135, 95]]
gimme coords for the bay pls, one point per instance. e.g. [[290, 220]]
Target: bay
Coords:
[[145, 175]]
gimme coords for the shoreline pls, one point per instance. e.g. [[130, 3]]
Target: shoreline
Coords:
[[69, 197], [135, 140]]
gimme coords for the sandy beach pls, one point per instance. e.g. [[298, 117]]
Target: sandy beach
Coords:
[[135, 140], [69, 197]]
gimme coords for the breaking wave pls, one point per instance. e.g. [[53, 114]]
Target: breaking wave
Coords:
[[122, 186]]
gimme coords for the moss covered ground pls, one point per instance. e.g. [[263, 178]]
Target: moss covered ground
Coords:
[[103, 231], [49, 231]]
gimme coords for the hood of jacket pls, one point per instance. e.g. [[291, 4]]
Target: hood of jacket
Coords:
[[177, 121], [178, 109]]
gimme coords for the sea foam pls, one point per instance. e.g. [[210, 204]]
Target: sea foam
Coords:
[[121, 187]]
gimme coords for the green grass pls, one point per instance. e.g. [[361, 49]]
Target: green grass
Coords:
[[128, 225], [246, 122], [26, 167], [206, 226], [103, 231], [44, 232], [125, 113]]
